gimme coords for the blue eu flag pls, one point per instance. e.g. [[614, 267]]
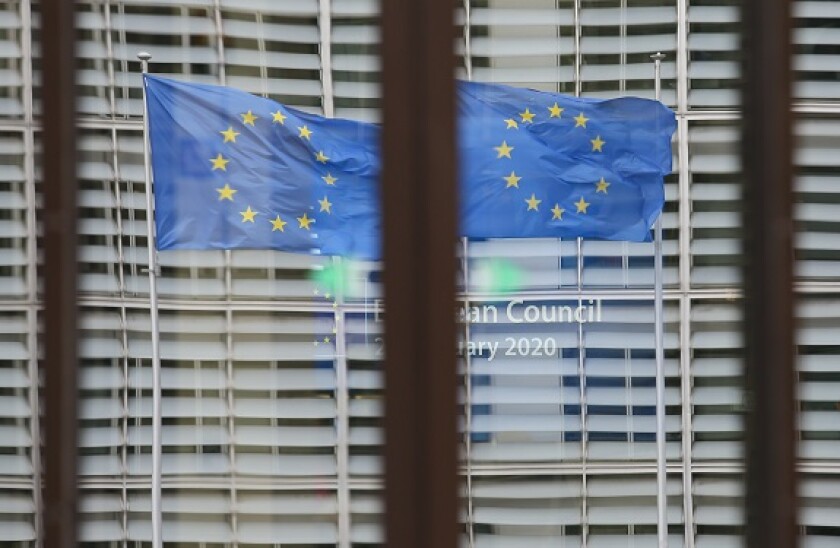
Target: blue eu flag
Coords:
[[237, 171]]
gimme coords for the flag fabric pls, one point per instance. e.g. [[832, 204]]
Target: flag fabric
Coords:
[[236, 171], [537, 164]]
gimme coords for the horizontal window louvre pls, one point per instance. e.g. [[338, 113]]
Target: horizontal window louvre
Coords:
[[11, 61], [713, 54], [529, 44], [818, 348], [13, 216], [355, 59], [365, 352], [187, 517], [716, 196], [366, 517], [617, 39], [815, 40], [717, 392], [527, 511], [719, 510], [817, 199], [100, 516]]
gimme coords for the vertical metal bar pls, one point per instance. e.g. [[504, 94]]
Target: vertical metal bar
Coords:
[[465, 266], [685, 387], [684, 277], [682, 57], [220, 41], [118, 205], [157, 526], [684, 244], [420, 204], [768, 274], [342, 390], [109, 56], [622, 50], [578, 54], [228, 275], [124, 359], [661, 477], [584, 428], [468, 418], [325, 42], [34, 397], [584, 443], [342, 404], [468, 39], [60, 216], [230, 397]]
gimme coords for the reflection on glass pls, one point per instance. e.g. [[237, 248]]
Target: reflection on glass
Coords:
[[272, 385]]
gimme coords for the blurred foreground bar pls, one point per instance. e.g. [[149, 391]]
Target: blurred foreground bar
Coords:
[[768, 244]]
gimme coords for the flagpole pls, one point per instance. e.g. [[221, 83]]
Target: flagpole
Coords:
[[661, 477], [157, 536]]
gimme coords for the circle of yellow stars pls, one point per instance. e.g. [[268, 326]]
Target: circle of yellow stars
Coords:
[[227, 193], [304, 222], [504, 150]]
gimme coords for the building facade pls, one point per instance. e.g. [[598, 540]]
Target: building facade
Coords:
[[272, 384]]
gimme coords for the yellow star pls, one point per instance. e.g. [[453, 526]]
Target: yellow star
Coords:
[[597, 144], [580, 120], [278, 224], [230, 135], [512, 180], [511, 124], [557, 212], [582, 205], [326, 339], [278, 117], [305, 132], [329, 179], [226, 193], [248, 118], [321, 157], [248, 215], [503, 150], [555, 111], [325, 205], [602, 186], [304, 222], [219, 162], [533, 203], [527, 116]]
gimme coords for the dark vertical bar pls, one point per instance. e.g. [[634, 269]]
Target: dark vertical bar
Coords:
[[768, 239], [59, 271], [420, 199]]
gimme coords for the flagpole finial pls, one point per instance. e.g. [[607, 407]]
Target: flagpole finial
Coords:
[[658, 56], [144, 56]]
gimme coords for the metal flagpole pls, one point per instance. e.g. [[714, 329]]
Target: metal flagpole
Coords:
[[661, 478], [157, 537]]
